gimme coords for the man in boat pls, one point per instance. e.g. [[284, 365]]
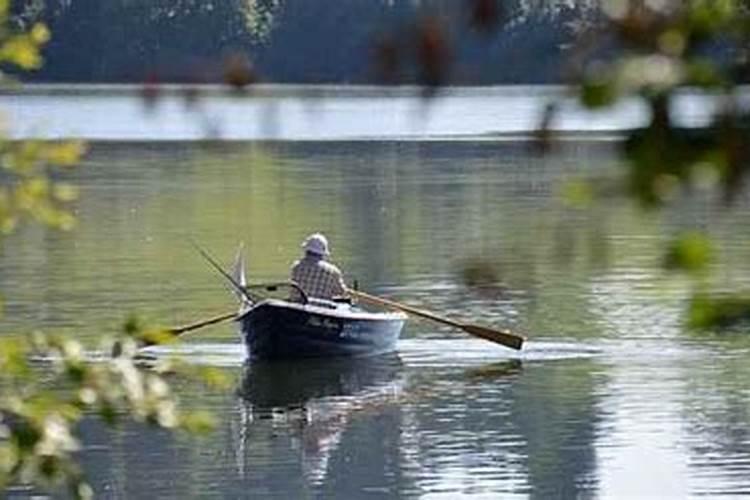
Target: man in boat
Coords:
[[317, 277]]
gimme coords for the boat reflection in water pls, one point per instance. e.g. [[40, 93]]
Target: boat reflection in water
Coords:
[[285, 385], [304, 407]]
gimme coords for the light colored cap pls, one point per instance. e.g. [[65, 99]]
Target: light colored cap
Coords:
[[316, 243]]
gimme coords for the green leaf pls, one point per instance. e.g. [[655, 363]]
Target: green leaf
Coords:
[[39, 34], [598, 93], [108, 413], [213, 377], [21, 51], [65, 154], [132, 326], [578, 194], [198, 422], [156, 336], [690, 252], [705, 312], [704, 73]]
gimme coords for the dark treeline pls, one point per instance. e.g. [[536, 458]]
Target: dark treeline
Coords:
[[298, 41]]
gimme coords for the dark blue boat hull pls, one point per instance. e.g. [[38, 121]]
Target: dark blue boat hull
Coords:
[[282, 330]]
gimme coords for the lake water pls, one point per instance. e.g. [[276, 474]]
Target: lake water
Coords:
[[611, 397]]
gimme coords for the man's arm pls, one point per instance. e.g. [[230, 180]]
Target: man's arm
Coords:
[[339, 287]]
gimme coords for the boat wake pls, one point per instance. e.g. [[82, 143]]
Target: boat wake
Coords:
[[413, 352], [471, 352]]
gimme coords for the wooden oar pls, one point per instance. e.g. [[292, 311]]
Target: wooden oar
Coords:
[[179, 330], [502, 337], [160, 336]]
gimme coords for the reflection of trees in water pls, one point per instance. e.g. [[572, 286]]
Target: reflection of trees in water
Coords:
[[505, 429], [297, 431], [556, 408], [718, 425]]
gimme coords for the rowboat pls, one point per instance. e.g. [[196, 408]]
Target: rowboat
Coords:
[[314, 328], [308, 327]]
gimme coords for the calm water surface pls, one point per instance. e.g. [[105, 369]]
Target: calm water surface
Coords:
[[612, 397]]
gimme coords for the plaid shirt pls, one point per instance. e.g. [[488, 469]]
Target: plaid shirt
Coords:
[[318, 278]]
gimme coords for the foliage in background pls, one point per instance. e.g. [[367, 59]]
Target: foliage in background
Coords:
[[656, 52], [653, 52], [27, 189], [39, 425], [290, 41]]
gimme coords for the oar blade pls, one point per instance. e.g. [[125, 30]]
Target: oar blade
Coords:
[[501, 337]]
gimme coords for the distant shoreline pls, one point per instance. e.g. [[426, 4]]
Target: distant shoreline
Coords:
[[278, 90], [563, 137], [312, 112]]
